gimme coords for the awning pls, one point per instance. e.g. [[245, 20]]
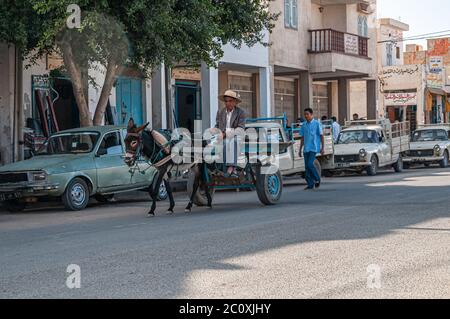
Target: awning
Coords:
[[437, 91]]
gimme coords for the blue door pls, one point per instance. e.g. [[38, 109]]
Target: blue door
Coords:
[[129, 100]]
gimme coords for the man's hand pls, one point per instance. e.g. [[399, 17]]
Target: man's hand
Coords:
[[322, 151]]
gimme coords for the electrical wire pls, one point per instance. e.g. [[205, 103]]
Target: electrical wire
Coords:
[[432, 35]]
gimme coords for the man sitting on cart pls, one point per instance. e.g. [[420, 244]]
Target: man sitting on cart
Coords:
[[228, 119]]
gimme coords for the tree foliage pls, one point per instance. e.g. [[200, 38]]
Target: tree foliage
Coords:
[[136, 33]]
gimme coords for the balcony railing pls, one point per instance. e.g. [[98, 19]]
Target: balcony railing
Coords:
[[328, 40]]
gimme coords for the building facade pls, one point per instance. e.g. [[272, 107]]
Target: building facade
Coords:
[[325, 52], [435, 62], [402, 87], [322, 55]]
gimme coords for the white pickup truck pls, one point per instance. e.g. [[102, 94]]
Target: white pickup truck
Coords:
[[290, 163], [430, 144], [369, 145]]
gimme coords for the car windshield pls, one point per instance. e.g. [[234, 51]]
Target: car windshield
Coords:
[[73, 143], [429, 136], [358, 137]]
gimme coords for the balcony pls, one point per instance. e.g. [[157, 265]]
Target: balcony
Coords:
[[328, 40], [335, 54]]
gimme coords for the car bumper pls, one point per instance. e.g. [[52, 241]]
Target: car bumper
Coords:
[[425, 159], [29, 190], [351, 166]]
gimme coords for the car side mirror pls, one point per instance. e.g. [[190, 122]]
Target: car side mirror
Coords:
[[101, 152]]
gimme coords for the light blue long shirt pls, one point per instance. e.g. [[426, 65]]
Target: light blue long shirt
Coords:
[[312, 132]]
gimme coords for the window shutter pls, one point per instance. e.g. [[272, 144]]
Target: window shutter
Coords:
[[294, 23], [360, 26], [287, 13], [365, 27]]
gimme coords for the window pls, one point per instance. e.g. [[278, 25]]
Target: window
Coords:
[[112, 144], [71, 143], [291, 14], [320, 99], [243, 85], [389, 48], [397, 53], [285, 99], [363, 28]]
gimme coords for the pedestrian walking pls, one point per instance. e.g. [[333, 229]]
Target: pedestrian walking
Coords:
[[336, 129], [312, 143]]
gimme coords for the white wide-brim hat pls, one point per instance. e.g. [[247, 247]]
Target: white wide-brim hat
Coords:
[[232, 94]]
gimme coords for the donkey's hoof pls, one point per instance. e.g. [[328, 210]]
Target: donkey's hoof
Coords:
[[151, 214], [187, 210], [169, 212]]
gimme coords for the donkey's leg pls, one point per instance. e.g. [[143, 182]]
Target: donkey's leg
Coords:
[[208, 196], [194, 191], [154, 191], [169, 192]]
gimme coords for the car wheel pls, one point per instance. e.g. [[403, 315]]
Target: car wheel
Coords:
[[76, 196], [444, 162], [398, 167], [103, 198], [373, 168], [14, 206]]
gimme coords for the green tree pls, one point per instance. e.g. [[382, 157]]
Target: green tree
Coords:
[[136, 33]]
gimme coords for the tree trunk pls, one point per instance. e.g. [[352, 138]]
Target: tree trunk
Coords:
[[112, 71], [74, 71]]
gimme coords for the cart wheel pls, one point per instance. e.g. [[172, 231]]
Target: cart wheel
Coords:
[[200, 198], [269, 187]]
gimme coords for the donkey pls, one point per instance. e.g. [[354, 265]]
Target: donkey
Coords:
[[156, 148]]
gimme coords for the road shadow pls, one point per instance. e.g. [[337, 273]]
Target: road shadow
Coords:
[[157, 259]]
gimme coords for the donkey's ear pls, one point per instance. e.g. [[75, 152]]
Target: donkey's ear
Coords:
[[143, 127], [130, 124]]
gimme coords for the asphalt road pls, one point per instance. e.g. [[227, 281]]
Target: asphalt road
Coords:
[[358, 237]]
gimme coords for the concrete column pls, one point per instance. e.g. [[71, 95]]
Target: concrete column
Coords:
[[7, 104], [148, 110], [210, 94], [159, 112], [343, 100], [265, 92], [306, 94], [372, 112]]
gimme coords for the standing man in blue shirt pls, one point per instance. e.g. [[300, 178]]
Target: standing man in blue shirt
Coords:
[[312, 140]]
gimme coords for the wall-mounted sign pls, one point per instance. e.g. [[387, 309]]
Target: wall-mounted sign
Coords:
[[394, 99], [351, 44], [40, 81], [436, 64], [190, 74]]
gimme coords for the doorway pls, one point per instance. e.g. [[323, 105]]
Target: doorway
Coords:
[[188, 108], [129, 100]]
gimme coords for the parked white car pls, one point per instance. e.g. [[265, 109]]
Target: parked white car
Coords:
[[290, 163], [370, 145], [430, 144]]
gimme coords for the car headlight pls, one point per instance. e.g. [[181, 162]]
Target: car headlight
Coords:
[[362, 153], [437, 150], [39, 176]]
